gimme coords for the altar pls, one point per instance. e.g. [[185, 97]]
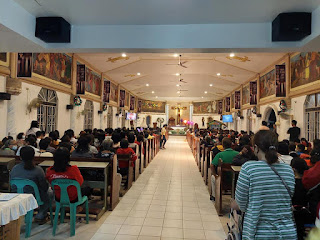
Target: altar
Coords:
[[178, 130]]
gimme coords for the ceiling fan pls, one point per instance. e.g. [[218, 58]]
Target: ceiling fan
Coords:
[[181, 64], [181, 79]]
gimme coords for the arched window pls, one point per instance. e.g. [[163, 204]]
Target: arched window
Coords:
[[110, 117], [47, 110], [312, 116], [88, 115]]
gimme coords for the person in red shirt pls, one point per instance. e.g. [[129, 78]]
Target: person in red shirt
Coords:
[[62, 169], [124, 149]]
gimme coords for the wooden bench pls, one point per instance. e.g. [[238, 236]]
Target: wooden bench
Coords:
[[221, 183], [146, 155], [130, 176]]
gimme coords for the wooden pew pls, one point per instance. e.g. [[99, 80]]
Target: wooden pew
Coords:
[[221, 184], [201, 155], [206, 164], [136, 169], [127, 158], [146, 155], [113, 179], [210, 174], [141, 158]]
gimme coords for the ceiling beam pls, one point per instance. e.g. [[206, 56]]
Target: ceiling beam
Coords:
[[223, 79], [131, 80], [229, 64], [122, 66]]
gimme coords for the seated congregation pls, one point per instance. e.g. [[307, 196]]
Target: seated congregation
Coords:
[[275, 186], [44, 163]]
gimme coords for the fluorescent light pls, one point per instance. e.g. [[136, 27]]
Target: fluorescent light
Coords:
[[123, 55], [232, 55], [138, 74], [218, 74], [152, 92], [176, 55], [177, 74], [205, 92], [211, 85], [147, 85]]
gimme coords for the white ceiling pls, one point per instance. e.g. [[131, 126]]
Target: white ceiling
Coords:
[[163, 12], [201, 72]]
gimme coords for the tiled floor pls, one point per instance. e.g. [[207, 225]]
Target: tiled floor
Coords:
[[169, 201]]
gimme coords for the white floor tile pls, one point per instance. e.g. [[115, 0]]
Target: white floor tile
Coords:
[[134, 221], [194, 233], [153, 222], [172, 233], [109, 228], [173, 223], [130, 230], [151, 231]]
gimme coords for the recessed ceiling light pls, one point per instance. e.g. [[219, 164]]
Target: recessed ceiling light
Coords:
[[123, 55], [177, 74], [178, 92], [201, 97], [176, 55], [152, 92], [232, 54], [138, 74], [218, 74], [210, 85], [156, 96], [177, 85], [205, 92], [147, 85]]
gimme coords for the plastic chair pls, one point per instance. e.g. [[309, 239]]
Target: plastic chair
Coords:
[[20, 183], [63, 184]]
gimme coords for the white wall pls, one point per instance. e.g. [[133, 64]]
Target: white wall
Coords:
[[198, 119], [141, 122], [3, 109]]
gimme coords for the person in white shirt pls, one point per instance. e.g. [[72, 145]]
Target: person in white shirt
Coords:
[[30, 141], [283, 150], [34, 128], [40, 136], [44, 144]]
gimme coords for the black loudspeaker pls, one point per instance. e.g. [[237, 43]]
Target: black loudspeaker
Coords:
[[100, 112], [293, 26], [259, 115], [5, 96], [241, 117], [69, 107], [53, 29]]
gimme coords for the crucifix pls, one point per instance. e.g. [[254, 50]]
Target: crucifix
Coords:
[[178, 108]]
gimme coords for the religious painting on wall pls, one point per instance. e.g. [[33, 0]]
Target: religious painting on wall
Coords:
[[127, 100], [246, 94], [253, 93], [106, 91], [237, 100], [93, 81], [220, 106], [305, 68], [24, 65], [152, 106], [268, 84], [139, 107], [132, 101], [113, 92], [122, 98], [81, 79], [55, 66], [228, 104], [204, 107], [280, 80], [232, 100]]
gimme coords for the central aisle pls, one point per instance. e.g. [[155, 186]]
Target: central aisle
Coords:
[[169, 201]]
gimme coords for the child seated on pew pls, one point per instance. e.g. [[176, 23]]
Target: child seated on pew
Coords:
[[123, 150]]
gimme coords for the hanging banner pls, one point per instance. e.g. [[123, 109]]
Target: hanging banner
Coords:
[[24, 65], [132, 100], [253, 93], [220, 107], [227, 104], [139, 105], [106, 91], [237, 100], [122, 97], [81, 79], [280, 80]]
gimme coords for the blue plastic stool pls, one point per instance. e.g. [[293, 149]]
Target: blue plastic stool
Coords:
[[20, 183], [63, 184]]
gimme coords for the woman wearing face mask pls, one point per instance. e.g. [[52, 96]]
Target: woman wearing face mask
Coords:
[[9, 148], [21, 139], [264, 191]]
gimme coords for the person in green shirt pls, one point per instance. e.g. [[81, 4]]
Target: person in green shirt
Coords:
[[226, 156]]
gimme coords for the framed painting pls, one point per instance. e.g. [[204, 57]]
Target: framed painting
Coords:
[[152, 106], [246, 94], [113, 92], [4, 59], [204, 107], [232, 100], [93, 82], [305, 68], [54, 66], [268, 84]]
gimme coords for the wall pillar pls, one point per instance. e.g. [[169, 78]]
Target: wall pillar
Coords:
[[167, 113], [11, 117]]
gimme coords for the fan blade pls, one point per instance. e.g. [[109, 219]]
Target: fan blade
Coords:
[[171, 64], [183, 62], [183, 66], [183, 81]]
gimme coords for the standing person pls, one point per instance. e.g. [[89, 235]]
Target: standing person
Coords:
[[264, 126], [163, 139], [264, 191], [34, 128], [294, 131]]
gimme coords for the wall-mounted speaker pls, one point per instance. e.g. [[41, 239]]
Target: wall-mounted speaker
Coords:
[[117, 114], [259, 115], [241, 117], [5, 96], [293, 26], [69, 107], [53, 30], [100, 112]]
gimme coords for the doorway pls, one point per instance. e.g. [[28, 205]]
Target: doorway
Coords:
[[271, 118]]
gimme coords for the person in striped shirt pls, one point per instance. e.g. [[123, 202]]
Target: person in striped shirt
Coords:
[[264, 196]]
